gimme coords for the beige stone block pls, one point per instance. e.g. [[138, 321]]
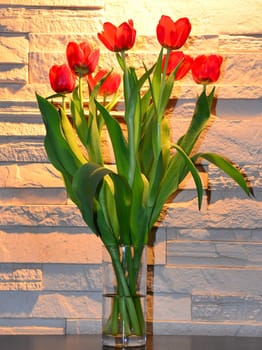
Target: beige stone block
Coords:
[[10, 73], [236, 308], [22, 150], [225, 328], [51, 305], [172, 307], [214, 253], [21, 129], [39, 75], [206, 17], [20, 326], [41, 175], [23, 330], [50, 20], [83, 326], [26, 279], [57, 42], [72, 277], [240, 43], [242, 69], [14, 48], [193, 279], [33, 196], [222, 213], [54, 3], [21, 98], [49, 247], [209, 235]]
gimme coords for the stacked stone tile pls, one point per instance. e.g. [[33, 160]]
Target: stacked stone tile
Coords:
[[205, 267]]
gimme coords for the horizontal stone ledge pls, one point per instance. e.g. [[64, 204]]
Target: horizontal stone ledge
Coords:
[[14, 278], [214, 253], [33, 196], [56, 247], [83, 326], [50, 305], [231, 329], [56, 3], [14, 73], [34, 175], [193, 279], [236, 308], [227, 213], [51, 19], [67, 246], [26, 326], [210, 235], [14, 49]]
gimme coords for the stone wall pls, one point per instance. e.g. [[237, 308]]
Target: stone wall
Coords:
[[205, 267]]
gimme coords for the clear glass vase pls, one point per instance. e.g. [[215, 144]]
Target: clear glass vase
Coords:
[[124, 296]]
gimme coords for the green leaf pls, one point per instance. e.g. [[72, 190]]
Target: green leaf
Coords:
[[58, 150], [94, 140], [118, 141], [79, 118], [108, 206], [225, 165], [139, 214], [70, 136], [123, 199], [86, 182], [194, 173], [198, 122]]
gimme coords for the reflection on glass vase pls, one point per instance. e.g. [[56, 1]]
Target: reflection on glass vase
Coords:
[[124, 296]]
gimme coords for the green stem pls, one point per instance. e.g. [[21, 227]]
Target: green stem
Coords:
[[127, 305], [80, 87]]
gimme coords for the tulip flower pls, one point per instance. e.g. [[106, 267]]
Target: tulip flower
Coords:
[[173, 35], [81, 58], [206, 69], [177, 58], [119, 38], [109, 86], [62, 79]]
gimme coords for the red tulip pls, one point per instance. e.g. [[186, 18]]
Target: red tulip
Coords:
[[81, 58], [173, 35], [175, 58], [206, 69], [62, 79], [118, 38], [109, 86]]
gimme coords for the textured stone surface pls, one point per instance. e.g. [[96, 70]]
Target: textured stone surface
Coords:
[[11, 326], [12, 278], [232, 17], [40, 247], [50, 305], [214, 253], [209, 328], [204, 273], [64, 3], [83, 326], [14, 48], [61, 277], [169, 307], [11, 73], [54, 20], [190, 279], [227, 307]]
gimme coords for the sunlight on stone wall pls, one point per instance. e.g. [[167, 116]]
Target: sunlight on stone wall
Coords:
[[205, 268]]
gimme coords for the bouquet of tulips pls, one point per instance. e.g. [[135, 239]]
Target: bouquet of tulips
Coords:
[[122, 204]]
